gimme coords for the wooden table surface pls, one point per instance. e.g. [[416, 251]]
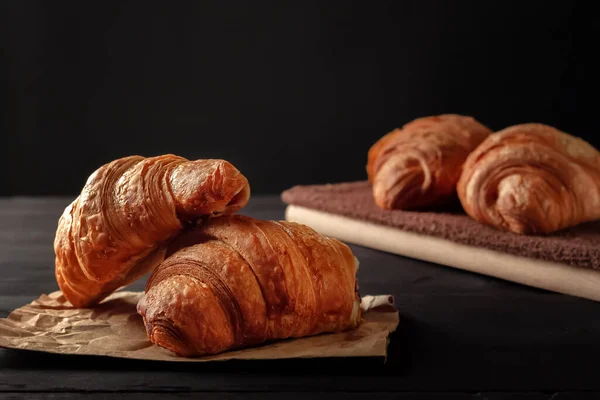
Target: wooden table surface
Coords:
[[460, 335]]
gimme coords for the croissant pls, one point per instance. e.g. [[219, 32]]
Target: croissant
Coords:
[[114, 231], [419, 165], [238, 281], [532, 178]]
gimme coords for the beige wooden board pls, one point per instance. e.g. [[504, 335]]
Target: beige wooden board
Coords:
[[560, 278]]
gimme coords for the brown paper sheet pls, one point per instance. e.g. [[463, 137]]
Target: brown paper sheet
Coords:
[[50, 324]]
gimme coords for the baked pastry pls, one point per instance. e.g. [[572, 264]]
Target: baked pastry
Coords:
[[114, 231], [532, 178], [238, 281], [418, 165]]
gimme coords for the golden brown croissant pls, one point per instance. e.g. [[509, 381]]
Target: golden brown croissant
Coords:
[[112, 233], [418, 166], [239, 281], [532, 178]]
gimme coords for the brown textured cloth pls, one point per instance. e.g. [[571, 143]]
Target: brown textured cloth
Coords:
[[578, 246]]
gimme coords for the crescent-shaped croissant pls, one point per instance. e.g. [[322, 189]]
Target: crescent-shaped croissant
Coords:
[[238, 281], [113, 232], [419, 165], [532, 178]]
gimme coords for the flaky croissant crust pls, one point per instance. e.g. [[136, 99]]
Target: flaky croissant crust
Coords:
[[112, 233], [419, 165], [239, 281], [532, 178]]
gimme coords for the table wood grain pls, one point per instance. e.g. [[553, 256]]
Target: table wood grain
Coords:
[[460, 335]]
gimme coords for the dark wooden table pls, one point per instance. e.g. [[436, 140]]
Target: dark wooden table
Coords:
[[460, 336]]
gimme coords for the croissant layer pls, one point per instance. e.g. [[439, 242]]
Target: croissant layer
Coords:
[[532, 178], [114, 231], [419, 165], [238, 281]]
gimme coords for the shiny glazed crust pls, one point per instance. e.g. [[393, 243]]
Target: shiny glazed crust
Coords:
[[532, 178], [239, 281], [113, 232], [419, 165]]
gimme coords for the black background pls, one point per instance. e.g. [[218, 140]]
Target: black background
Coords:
[[291, 92]]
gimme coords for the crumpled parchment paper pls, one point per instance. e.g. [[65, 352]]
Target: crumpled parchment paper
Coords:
[[113, 328]]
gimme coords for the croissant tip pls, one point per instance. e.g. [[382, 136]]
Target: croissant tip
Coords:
[[164, 335]]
